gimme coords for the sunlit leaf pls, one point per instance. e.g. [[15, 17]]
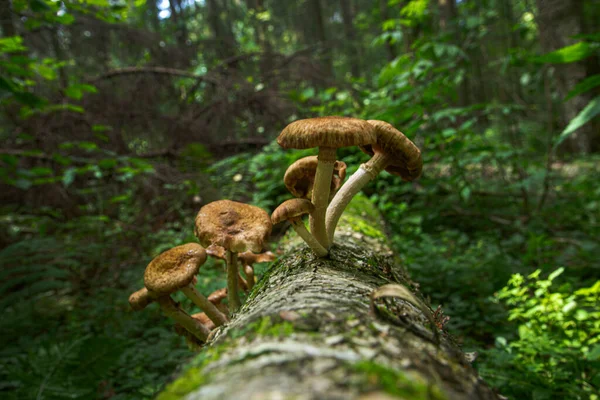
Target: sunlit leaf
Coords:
[[568, 54], [585, 116]]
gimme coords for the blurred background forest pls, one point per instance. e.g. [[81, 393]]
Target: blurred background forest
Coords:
[[120, 119]]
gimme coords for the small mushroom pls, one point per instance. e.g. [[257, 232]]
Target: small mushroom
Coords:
[[174, 270], [248, 259], [393, 151], [299, 178], [217, 298], [190, 339], [293, 210], [328, 134], [140, 299], [237, 227]]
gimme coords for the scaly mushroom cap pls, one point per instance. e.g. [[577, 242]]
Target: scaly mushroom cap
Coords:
[[299, 178], [249, 258], [407, 161], [174, 269], [235, 226], [331, 131], [290, 209]]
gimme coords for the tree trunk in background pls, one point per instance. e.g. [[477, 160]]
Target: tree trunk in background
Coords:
[[154, 22], [448, 18], [260, 27], [316, 10], [352, 49], [383, 12], [6, 20], [225, 45], [559, 21], [181, 34], [307, 332]]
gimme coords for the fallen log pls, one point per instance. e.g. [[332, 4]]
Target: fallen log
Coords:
[[310, 329]]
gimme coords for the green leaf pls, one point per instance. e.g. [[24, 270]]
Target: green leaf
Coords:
[[585, 116], [568, 54], [69, 176], [584, 86], [555, 274], [76, 91], [38, 5], [23, 183], [11, 44], [594, 354]]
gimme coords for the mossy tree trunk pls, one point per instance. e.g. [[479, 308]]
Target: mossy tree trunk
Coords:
[[307, 332]]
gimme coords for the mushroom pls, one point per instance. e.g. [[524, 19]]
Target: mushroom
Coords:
[[237, 227], [393, 151], [248, 259], [140, 299], [191, 340], [299, 178], [328, 134], [220, 253], [293, 210], [175, 270], [217, 297]]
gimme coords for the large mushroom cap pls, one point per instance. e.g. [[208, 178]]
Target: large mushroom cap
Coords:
[[174, 269], [235, 226], [331, 131], [406, 157], [299, 178], [290, 209]]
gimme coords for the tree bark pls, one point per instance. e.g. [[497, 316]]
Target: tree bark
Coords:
[[6, 19], [352, 50], [316, 10], [447, 18], [307, 332], [559, 21], [383, 12]]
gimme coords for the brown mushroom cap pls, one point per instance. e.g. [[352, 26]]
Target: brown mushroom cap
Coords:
[[235, 226], [174, 269], [140, 299], [299, 178], [291, 209], [217, 296], [249, 258], [333, 131], [406, 157]]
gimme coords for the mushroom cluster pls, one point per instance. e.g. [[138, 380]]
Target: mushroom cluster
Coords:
[[237, 232], [317, 183], [225, 228]]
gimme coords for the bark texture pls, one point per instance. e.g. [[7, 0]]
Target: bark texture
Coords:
[[307, 332]]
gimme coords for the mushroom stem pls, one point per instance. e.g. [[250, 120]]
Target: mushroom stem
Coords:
[[310, 240], [365, 173], [202, 302], [249, 271], [232, 281], [172, 310], [320, 194]]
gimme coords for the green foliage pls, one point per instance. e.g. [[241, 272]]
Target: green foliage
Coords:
[[557, 351], [586, 115]]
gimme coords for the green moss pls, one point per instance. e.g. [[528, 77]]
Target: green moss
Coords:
[[185, 384], [396, 382], [358, 224], [193, 377]]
